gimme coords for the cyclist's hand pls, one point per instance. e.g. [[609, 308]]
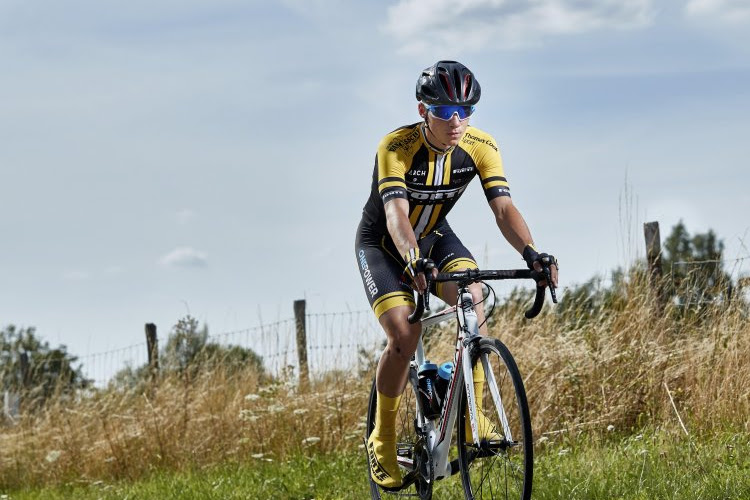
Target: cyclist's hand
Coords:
[[537, 260], [415, 268]]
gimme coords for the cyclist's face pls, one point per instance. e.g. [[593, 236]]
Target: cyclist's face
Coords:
[[446, 133]]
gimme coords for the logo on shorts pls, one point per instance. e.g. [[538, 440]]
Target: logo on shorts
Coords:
[[367, 275]]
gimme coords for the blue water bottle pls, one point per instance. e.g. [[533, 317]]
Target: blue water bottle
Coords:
[[443, 377]]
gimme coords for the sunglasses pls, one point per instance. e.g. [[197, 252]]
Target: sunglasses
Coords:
[[446, 112]]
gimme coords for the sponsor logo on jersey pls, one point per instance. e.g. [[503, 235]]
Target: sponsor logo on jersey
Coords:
[[471, 139], [403, 142], [436, 195], [462, 170]]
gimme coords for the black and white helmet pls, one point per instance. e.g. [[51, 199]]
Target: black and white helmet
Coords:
[[448, 82]]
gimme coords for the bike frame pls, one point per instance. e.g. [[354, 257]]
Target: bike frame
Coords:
[[438, 432]]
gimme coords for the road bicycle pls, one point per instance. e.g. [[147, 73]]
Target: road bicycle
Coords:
[[428, 450]]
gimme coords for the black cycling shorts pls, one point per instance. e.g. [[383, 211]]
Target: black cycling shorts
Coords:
[[381, 267]]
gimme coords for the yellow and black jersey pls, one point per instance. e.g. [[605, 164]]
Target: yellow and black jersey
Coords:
[[406, 166]]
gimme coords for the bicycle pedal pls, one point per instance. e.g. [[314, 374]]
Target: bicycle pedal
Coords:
[[408, 480], [404, 451]]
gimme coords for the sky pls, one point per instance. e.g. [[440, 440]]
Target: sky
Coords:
[[159, 158]]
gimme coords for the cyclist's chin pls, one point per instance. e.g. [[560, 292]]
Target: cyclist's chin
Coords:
[[452, 139]]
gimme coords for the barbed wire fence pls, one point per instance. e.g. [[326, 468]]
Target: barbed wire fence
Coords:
[[333, 341]]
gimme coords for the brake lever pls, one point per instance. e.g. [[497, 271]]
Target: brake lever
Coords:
[[548, 277], [428, 279]]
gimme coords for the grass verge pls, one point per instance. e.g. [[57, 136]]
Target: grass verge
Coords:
[[652, 465]]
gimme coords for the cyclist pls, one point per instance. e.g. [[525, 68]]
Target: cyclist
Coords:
[[420, 172]]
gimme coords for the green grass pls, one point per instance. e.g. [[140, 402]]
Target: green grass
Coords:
[[655, 465]]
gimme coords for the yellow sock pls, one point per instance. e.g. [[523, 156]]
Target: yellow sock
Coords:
[[381, 446], [485, 427], [478, 382], [385, 416]]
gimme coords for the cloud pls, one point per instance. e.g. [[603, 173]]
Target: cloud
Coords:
[[185, 257], [729, 11], [453, 25]]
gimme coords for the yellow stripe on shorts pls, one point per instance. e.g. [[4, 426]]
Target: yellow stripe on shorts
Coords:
[[455, 265], [391, 300]]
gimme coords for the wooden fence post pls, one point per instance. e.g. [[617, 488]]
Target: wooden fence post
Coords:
[[299, 316], [152, 344], [11, 405], [24, 373], [653, 257]]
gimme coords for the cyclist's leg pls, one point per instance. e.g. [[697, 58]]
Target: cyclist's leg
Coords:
[[392, 301], [402, 342]]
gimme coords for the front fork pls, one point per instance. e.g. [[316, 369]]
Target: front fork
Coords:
[[467, 319]]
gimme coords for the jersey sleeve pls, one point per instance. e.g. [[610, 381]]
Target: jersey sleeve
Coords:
[[392, 165], [490, 167]]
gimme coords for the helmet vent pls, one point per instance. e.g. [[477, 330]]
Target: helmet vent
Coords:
[[467, 85], [447, 86]]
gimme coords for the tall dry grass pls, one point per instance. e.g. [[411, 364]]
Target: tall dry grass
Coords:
[[626, 363], [623, 365], [180, 424]]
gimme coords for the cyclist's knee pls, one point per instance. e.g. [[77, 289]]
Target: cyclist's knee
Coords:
[[402, 336], [402, 345], [476, 292]]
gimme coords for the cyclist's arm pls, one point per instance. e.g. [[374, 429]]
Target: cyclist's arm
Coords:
[[514, 228], [511, 222], [402, 234]]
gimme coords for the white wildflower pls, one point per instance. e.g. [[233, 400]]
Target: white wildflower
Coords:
[[52, 456], [610, 427], [310, 440], [248, 416]]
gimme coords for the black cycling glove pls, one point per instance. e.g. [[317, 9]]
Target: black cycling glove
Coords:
[[414, 265], [530, 255]]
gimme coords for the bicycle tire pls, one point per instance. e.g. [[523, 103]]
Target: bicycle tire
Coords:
[[498, 469], [406, 435]]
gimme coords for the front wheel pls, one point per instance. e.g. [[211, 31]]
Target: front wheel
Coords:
[[502, 465]]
